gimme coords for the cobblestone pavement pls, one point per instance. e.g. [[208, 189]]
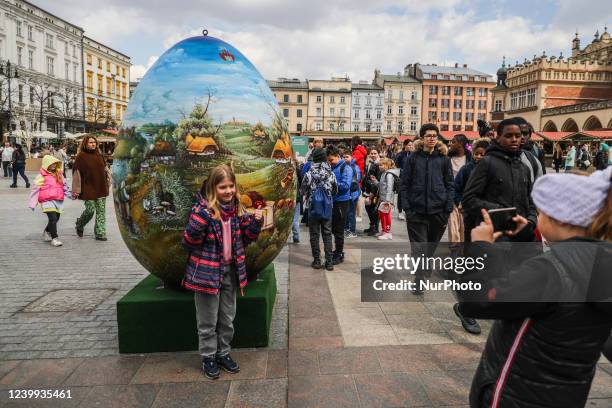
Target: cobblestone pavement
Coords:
[[61, 302]]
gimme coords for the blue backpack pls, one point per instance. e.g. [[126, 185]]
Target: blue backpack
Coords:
[[320, 204]]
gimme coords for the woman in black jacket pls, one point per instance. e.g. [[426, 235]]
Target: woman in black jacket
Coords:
[[554, 311], [370, 190], [19, 164]]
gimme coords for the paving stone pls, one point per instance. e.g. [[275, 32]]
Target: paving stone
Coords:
[[120, 396], [303, 362], [314, 343], [192, 395], [391, 390], [447, 387], [314, 327], [602, 385], [252, 365], [43, 373], [106, 370], [325, 391], [168, 367], [78, 397], [270, 393], [349, 361], [7, 366], [277, 364]]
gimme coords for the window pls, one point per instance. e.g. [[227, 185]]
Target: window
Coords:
[[432, 116], [20, 56], [390, 96], [19, 34], [356, 100], [30, 59], [332, 111], [332, 127], [456, 128], [433, 89], [498, 106], [342, 112], [50, 100], [108, 66], [481, 116], [401, 95], [318, 98], [457, 103], [531, 97], [469, 104], [368, 127], [413, 95], [378, 114], [285, 98], [89, 81], [66, 48], [400, 110], [341, 127], [318, 126], [433, 102], [49, 42], [332, 99], [482, 91], [299, 127], [445, 103], [457, 116], [389, 110], [400, 126], [379, 101], [482, 105], [66, 69], [318, 111], [388, 126], [378, 128], [469, 128], [469, 91], [74, 50], [412, 126], [20, 91], [413, 110], [446, 90], [458, 91], [31, 95], [109, 87], [356, 127], [469, 116], [368, 114], [356, 115], [299, 113], [342, 99], [100, 84], [50, 64], [88, 59], [30, 33], [74, 72], [444, 116], [285, 113], [99, 63], [368, 100], [299, 98]]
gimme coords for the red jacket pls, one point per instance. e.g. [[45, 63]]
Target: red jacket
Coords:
[[359, 154], [51, 188]]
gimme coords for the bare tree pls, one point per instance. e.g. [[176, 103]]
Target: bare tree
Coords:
[[66, 105], [43, 100], [97, 114]]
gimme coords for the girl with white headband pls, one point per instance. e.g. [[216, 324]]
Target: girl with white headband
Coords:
[[553, 312]]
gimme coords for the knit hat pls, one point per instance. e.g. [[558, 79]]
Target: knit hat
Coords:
[[571, 198], [319, 155]]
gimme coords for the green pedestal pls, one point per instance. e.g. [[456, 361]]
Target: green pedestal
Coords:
[[153, 319]]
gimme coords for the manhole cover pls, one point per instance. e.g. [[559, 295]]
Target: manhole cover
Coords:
[[69, 300]]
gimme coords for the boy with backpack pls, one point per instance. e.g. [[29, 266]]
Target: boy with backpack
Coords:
[[344, 176], [318, 189], [350, 228]]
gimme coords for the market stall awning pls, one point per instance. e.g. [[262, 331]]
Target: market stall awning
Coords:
[[553, 136], [45, 135], [450, 134]]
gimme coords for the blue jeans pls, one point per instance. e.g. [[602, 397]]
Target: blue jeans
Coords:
[[351, 220], [295, 227], [19, 169]]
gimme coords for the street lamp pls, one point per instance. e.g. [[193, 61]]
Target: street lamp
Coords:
[[9, 71]]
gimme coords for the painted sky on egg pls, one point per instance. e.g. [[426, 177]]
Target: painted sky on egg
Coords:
[[184, 75]]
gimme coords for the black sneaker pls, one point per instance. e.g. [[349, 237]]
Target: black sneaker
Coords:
[[367, 230], [103, 238], [13, 186], [329, 266], [79, 232], [338, 259], [316, 264], [27, 185], [229, 365], [469, 324], [210, 368], [372, 233]]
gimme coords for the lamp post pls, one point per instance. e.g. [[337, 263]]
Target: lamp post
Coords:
[[9, 71]]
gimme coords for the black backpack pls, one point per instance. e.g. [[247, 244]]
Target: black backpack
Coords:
[[354, 180]]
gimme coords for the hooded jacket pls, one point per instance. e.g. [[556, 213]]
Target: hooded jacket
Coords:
[[359, 155], [427, 184], [500, 180], [543, 351], [344, 176], [319, 173], [50, 188], [386, 183]]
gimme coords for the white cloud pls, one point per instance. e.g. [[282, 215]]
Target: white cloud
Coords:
[[139, 71]]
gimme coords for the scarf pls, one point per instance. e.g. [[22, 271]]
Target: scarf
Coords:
[[228, 210]]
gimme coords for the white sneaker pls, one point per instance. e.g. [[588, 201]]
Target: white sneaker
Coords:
[[56, 242], [46, 236], [401, 216], [384, 236], [358, 219]]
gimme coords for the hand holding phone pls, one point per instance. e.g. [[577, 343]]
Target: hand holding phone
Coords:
[[503, 219]]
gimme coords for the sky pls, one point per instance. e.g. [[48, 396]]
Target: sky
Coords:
[[193, 68], [317, 39]]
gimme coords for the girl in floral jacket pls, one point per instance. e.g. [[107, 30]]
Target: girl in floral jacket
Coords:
[[218, 230]]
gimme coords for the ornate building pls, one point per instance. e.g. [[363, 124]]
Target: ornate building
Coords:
[[329, 104], [550, 91], [402, 111], [292, 96], [367, 107]]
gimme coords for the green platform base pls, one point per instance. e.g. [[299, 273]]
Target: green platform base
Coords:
[[153, 319]]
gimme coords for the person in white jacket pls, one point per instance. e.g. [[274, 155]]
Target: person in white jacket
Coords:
[[7, 155]]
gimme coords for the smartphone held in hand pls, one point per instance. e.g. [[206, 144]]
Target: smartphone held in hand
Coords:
[[502, 218]]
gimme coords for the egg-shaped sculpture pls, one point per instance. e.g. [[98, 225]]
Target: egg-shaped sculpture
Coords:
[[200, 105]]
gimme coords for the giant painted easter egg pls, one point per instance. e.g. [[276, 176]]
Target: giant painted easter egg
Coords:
[[200, 105]]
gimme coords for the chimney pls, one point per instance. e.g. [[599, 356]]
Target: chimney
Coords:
[[456, 65], [464, 65]]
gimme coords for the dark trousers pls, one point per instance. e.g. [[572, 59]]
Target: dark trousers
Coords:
[[7, 168], [373, 216], [424, 233], [51, 227], [19, 168], [316, 225], [339, 214], [351, 220]]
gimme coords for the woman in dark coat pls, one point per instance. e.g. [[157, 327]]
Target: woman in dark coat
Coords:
[[19, 161], [90, 183]]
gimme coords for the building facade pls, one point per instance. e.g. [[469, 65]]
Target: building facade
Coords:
[[329, 105], [454, 98], [402, 102], [107, 84], [46, 50], [292, 97], [367, 107], [537, 89]]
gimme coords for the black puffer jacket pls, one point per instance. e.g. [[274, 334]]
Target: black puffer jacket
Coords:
[[427, 185], [543, 351], [371, 169], [500, 180]]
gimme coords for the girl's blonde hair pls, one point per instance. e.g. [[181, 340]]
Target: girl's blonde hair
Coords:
[[387, 162], [209, 190], [58, 172], [601, 227]]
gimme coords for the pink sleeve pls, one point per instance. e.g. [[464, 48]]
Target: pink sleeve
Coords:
[[33, 201]]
